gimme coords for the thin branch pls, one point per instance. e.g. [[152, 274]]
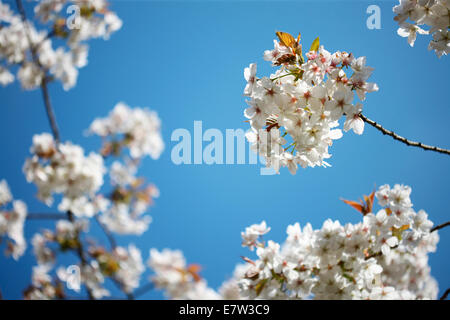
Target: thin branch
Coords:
[[445, 295], [377, 254], [46, 216], [120, 286], [440, 226], [111, 239], [48, 107], [143, 290], [402, 139], [80, 252]]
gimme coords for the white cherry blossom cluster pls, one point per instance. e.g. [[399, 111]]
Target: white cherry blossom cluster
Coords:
[[383, 257], [435, 14], [176, 278], [294, 113], [131, 267], [64, 169], [127, 203], [12, 219], [46, 246], [138, 129], [181, 281], [32, 52], [122, 265]]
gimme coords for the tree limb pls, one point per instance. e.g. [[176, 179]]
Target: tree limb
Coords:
[[111, 239], [402, 139], [48, 107], [445, 295], [440, 226], [143, 290], [80, 252], [46, 216]]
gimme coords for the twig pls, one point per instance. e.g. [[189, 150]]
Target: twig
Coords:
[[46, 216], [440, 226], [144, 289], [120, 286], [80, 252], [108, 234], [44, 89], [402, 139], [49, 110], [445, 295]]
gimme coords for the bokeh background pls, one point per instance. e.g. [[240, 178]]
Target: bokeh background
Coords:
[[185, 60]]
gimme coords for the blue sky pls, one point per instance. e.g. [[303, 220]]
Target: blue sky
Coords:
[[185, 60]]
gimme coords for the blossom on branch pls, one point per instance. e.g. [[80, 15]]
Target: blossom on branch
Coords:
[[12, 219], [33, 51], [138, 129], [64, 169], [383, 257], [433, 13], [180, 281], [294, 113]]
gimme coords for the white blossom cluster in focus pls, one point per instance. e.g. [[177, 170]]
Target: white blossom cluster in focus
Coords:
[[12, 218], [138, 129], [294, 113], [31, 51], [64, 169], [383, 257], [435, 14]]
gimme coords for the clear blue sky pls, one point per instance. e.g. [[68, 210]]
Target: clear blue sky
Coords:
[[186, 60]]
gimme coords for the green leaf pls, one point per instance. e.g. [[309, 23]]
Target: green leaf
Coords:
[[260, 286], [315, 45]]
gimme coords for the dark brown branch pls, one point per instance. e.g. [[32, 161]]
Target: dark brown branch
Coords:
[[402, 139], [46, 216], [445, 295], [440, 226], [44, 88]]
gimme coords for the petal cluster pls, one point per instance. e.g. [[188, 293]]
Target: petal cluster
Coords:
[[383, 257], [12, 219], [65, 169], [138, 129], [176, 278], [39, 54], [294, 114], [435, 14]]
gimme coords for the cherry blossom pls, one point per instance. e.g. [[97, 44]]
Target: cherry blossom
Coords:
[[294, 114], [431, 13], [12, 219], [34, 51], [64, 169], [137, 129], [369, 260], [180, 281]]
